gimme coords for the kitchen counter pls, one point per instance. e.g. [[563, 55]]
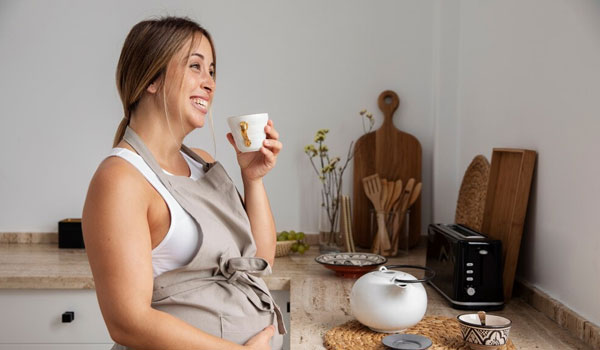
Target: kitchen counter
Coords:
[[319, 300]]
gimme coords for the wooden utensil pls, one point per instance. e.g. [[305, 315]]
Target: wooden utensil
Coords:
[[371, 186], [406, 196], [392, 154], [506, 205], [384, 239], [414, 195], [481, 315], [388, 205], [402, 216], [373, 190], [384, 193], [396, 195], [387, 194], [349, 223]]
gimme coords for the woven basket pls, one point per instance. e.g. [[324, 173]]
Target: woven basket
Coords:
[[471, 197], [284, 248]]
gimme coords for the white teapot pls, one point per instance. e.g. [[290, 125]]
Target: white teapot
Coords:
[[390, 301]]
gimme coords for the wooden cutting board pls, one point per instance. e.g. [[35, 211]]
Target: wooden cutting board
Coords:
[[392, 154], [506, 205]]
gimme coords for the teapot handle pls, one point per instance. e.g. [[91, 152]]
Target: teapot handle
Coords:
[[393, 280], [429, 273]]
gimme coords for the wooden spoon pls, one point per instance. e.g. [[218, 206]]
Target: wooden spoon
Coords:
[[373, 189], [406, 196], [396, 196], [384, 238], [414, 195], [384, 193]]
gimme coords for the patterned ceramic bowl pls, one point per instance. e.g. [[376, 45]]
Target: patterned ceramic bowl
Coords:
[[351, 265], [492, 335]]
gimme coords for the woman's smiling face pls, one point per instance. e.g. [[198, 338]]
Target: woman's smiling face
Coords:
[[190, 84]]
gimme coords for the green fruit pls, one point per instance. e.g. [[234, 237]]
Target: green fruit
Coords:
[[283, 236], [295, 247], [292, 236], [306, 246], [300, 235], [301, 249]]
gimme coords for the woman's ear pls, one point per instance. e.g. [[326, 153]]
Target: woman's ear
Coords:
[[152, 88], [155, 84]]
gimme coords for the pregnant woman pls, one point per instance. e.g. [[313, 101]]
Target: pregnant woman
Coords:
[[174, 249]]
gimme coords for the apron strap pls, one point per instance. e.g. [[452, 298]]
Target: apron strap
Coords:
[[237, 270], [254, 265]]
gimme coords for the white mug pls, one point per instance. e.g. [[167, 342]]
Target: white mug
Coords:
[[248, 131]]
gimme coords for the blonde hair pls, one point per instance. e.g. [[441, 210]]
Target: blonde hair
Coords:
[[144, 59]]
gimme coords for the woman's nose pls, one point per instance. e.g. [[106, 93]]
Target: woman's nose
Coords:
[[208, 83]]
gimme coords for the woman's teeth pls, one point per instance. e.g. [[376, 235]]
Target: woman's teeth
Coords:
[[200, 102]]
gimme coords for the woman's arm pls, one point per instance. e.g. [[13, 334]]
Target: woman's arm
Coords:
[[254, 166], [117, 240], [261, 219]]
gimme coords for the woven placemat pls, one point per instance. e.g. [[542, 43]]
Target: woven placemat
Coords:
[[471, 197], [443, 331]]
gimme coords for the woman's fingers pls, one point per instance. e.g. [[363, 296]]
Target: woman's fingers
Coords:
[[232, 142], [270, 131], [270, 157], [273, 145], [261, 340]]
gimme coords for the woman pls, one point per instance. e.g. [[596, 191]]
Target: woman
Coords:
[[173, 249]]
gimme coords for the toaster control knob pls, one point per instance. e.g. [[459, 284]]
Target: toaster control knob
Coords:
[[471, 291]]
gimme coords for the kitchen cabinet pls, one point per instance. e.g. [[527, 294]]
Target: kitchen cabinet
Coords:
[[282, 298], [33, 319]]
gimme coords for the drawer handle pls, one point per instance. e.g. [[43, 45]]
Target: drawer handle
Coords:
[[68, 316]]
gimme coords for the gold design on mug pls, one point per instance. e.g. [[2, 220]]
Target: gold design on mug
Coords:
[[244, 129]]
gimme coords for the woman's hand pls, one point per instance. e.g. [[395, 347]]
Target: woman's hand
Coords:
[[255, 165], [261, 340]]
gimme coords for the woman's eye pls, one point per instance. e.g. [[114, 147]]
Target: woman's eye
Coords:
[[212, 73], [195, 65]]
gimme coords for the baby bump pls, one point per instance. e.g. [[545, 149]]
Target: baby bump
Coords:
[[222, 310]]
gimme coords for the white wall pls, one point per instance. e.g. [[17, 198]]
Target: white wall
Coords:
[[528, 77], [310, 64]]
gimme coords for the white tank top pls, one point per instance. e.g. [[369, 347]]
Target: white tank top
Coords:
[[181, 243]]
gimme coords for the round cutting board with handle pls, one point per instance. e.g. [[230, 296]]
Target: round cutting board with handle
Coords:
[[393, 155]]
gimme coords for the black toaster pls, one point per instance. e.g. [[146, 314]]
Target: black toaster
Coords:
[[468, 267]]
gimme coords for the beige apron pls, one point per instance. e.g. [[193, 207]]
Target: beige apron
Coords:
[[217, 291]]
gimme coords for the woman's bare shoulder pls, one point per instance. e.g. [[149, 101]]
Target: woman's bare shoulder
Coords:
[[117, 177]]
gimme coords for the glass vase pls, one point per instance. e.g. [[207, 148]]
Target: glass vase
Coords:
[[330, 238]]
